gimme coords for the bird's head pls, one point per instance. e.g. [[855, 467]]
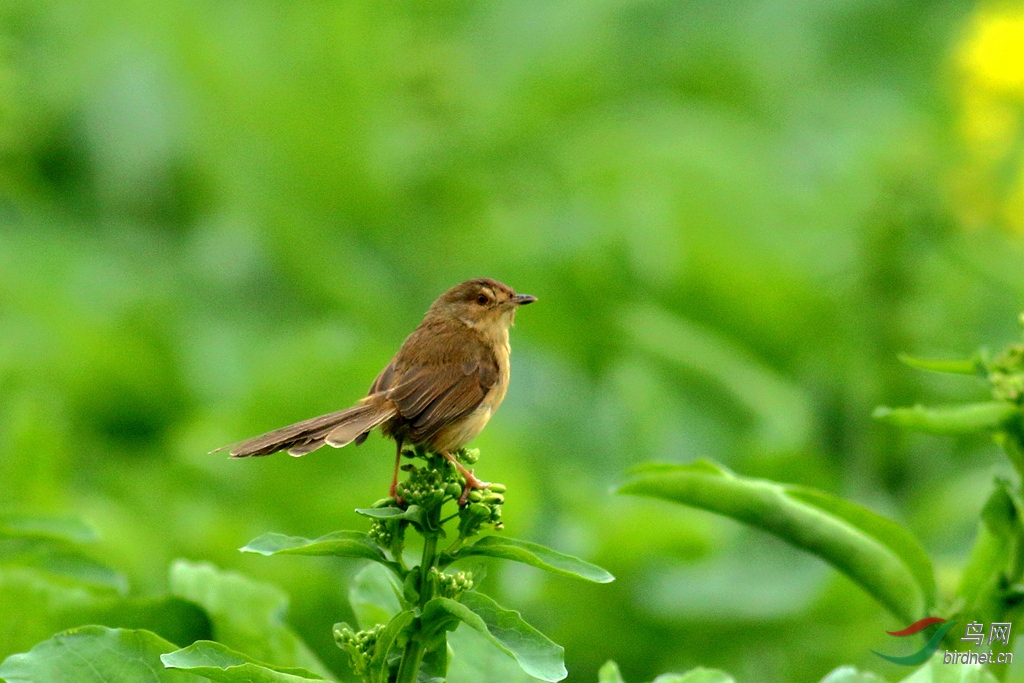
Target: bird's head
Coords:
[[482, 303]]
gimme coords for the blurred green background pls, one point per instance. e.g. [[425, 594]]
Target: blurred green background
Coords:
[[218, 218]]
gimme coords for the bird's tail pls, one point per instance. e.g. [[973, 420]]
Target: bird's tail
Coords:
[[337, 429]]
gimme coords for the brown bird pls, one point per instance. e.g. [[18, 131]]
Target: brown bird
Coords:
[[439, 390]]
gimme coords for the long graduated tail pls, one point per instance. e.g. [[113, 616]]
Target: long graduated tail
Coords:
[[336, 429]]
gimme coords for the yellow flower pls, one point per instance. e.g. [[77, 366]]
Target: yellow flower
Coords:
[[989, 185]]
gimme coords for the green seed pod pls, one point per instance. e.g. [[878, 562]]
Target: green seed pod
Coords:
[[497, 488], [453, 490], [476, 496], [479, 510]]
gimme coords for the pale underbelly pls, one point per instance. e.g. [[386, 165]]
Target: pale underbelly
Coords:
[[456, 435]]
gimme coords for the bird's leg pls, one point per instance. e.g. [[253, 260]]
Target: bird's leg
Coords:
[[471, 481], [394, 478]]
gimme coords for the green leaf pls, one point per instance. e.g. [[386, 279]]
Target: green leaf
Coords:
[[960, 419], [173, 619], [247, 615], [997, 553], [95, 654], [413, 514], [698, 675], [34, 606], [536, 654], [885, 559], [850, 674], [56, 528], [337, 544], [374, 596], [476, 660], [937, 672], [892, 535], [378, 669], [609, 673], [973, 366], [217, 662], [436, 660], [61, 561], [535, 555]]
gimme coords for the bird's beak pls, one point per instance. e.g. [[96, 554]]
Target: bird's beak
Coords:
[[523, 299]]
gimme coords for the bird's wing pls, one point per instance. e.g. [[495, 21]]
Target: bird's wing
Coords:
[[384, 380], [438, 389]]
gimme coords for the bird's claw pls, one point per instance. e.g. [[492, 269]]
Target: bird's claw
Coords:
[[471, 483]]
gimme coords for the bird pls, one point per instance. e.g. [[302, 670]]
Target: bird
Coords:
[[439, 390]]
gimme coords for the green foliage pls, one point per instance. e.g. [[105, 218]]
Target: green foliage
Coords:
[[849, 674], [206, 603], [536, 654], [48, 584], [219, 218], [532, 554], [989, 586], [247, 615], [781, 409], [878, 554], [405, 616], [963, 419], [49, 528], [932, 672], [338, 544], [216, 662], [975, 366], [95, 654], [609, 673], [373, 595], [937, 672]]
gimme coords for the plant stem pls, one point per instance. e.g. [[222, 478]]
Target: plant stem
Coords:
[[411, 659], [415, 649]]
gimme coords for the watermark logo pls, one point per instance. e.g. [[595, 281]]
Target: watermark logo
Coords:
[[925, 653], [998, 632]]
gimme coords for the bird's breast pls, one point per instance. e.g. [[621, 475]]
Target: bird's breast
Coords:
[[460, 432]]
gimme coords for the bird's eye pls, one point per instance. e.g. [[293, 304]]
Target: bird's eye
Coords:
[[483, 300]]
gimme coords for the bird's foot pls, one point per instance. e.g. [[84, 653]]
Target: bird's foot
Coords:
[[471, 483], [399, 501]]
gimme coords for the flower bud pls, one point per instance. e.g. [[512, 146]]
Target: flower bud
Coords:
[[469, 455], [479, 510]]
